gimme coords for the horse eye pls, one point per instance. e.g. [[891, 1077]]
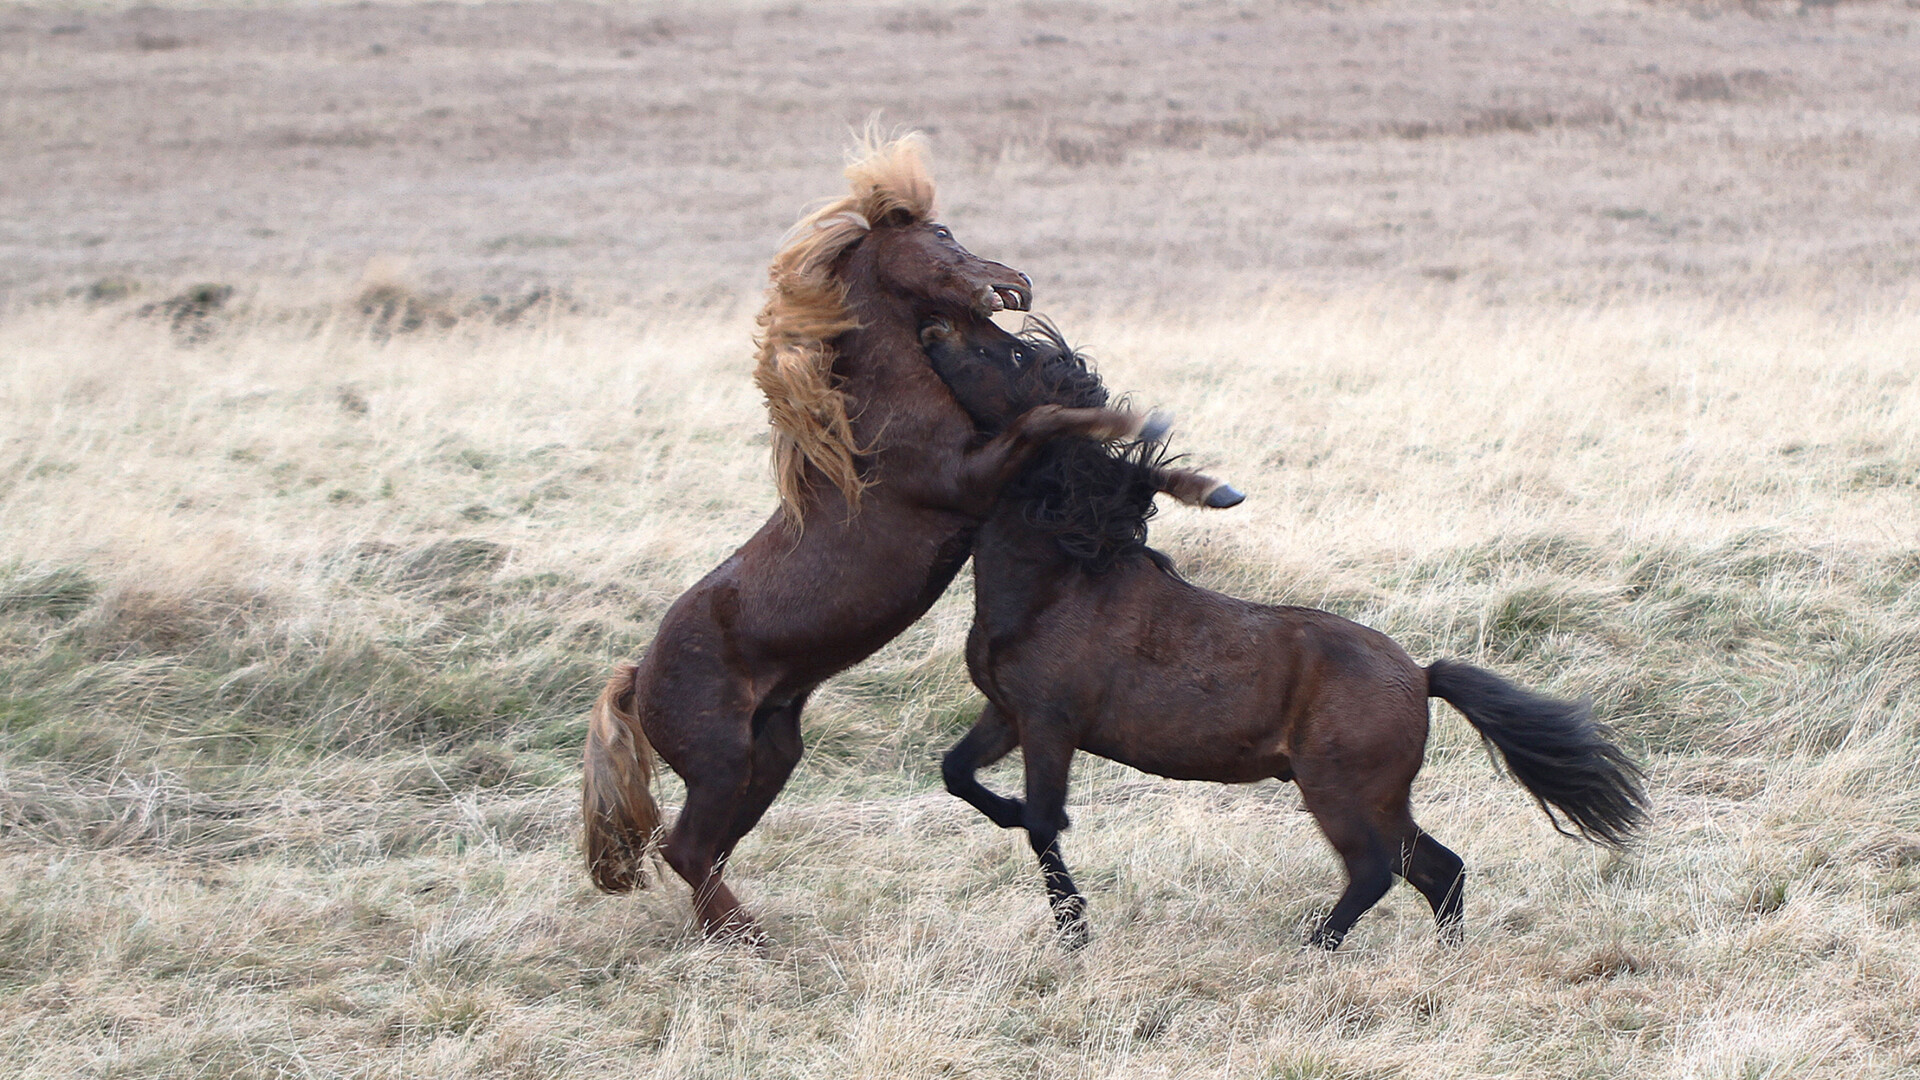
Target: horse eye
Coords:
[[941, 232], [1019, 358]]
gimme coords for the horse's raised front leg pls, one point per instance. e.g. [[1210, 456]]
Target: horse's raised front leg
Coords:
[[991, 738], [1196, 488], [987, 467]]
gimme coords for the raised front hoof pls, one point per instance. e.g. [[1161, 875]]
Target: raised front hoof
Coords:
[[1224, 496], [1155, 427]]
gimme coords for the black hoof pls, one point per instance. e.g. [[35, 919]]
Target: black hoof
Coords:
[[1224, 496], [1320, 943], [1156, 427], [1071, 930]]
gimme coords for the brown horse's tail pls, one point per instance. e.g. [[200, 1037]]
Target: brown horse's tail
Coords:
[[616, 802], [1554, 748]]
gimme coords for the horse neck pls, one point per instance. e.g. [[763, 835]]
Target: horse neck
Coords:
[[1017, 570], [871, 355], [897, 402]]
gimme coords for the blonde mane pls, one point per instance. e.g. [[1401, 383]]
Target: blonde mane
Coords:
[[806, 308]]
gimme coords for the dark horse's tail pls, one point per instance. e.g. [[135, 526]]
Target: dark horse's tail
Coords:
[[1554, 748], [616, 801]]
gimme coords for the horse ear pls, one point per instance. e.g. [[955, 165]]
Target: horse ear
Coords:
[[897, 218]]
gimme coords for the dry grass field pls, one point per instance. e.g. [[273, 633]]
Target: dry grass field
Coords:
[[371, 377]]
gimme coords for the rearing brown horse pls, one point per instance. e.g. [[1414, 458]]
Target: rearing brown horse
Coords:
[[883, 480]]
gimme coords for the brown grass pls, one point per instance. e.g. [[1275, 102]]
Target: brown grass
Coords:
[[304, 594]]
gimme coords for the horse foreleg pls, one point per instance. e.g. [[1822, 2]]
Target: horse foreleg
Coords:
[[1196, 488], [1044, 422], [991, 738], [987, 467], [1045, 816]]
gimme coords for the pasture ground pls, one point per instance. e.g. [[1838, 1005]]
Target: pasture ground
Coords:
[[1577, 342]]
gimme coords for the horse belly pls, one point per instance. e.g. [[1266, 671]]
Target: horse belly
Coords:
[[1192, 694], [1218, 737], [830, 601]]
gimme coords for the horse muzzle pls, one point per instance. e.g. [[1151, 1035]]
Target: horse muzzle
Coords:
[[1004, 296]]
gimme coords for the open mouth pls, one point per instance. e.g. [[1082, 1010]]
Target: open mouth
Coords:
[[1008, 298]]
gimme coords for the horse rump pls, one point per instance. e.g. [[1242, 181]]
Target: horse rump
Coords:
[[616, 800], [1554, 748]]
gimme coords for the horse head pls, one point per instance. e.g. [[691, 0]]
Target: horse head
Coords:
[[996, 376], [851, 283], [920, 261]]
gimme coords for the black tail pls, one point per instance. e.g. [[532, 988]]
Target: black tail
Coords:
[[1553, 748]]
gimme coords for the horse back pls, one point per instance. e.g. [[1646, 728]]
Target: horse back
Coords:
[[1181, 681]]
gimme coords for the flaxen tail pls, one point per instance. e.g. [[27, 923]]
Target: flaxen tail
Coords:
[[616, 803], [1554, 748]]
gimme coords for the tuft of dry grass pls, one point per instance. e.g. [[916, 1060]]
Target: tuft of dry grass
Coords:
[[289, 776]]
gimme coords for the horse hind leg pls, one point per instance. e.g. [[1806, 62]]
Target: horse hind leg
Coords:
[[717, 767], [1441, 877], [1369, 876], [775, 749], [1367, 852]]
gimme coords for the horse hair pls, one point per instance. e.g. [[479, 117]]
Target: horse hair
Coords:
[[1553, 747], [1093, 500]]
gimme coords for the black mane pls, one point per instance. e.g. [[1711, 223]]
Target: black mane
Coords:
[[1058, 374], [1093, 500]]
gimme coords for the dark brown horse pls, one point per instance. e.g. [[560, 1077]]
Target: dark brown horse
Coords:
[[883, 481], [1085, 638]]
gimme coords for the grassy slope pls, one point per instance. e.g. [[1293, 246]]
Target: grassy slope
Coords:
[[299, 627]]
